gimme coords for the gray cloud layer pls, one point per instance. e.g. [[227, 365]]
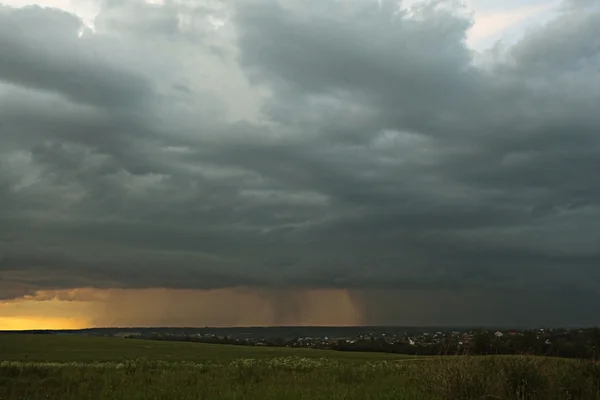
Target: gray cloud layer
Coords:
[[332, 145]]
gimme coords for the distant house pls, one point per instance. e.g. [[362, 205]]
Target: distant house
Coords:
[[127, 334], [498, 334]]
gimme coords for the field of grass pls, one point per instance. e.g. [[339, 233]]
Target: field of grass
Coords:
[[74, 368], [94, 349]]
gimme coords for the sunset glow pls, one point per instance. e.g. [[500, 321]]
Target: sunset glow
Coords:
[[84, 308], [30, 323]]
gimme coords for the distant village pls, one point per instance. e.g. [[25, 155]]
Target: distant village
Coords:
[[556, 342]]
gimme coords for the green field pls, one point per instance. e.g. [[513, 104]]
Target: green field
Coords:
[[78, 367], [93, 349]]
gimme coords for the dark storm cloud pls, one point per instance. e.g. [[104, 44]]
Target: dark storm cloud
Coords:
[[382, 158], [40, 50]]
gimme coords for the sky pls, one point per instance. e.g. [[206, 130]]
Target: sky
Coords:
[[330, 162]]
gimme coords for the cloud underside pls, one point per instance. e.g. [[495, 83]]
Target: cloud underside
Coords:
[[340, 146]]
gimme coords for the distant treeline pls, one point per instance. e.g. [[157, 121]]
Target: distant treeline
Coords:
[[519, 345]]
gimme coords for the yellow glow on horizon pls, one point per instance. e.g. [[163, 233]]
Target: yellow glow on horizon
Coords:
[[87, 308], [43, 312], [33, 323]]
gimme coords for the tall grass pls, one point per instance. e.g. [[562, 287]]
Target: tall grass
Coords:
[[515, 377], [462, 377]]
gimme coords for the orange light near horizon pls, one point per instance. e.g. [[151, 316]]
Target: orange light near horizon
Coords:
[[87, 308], [39, 323], [43, 312]]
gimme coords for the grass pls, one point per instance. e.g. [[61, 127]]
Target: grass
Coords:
[[74, 368], [94, 349]]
